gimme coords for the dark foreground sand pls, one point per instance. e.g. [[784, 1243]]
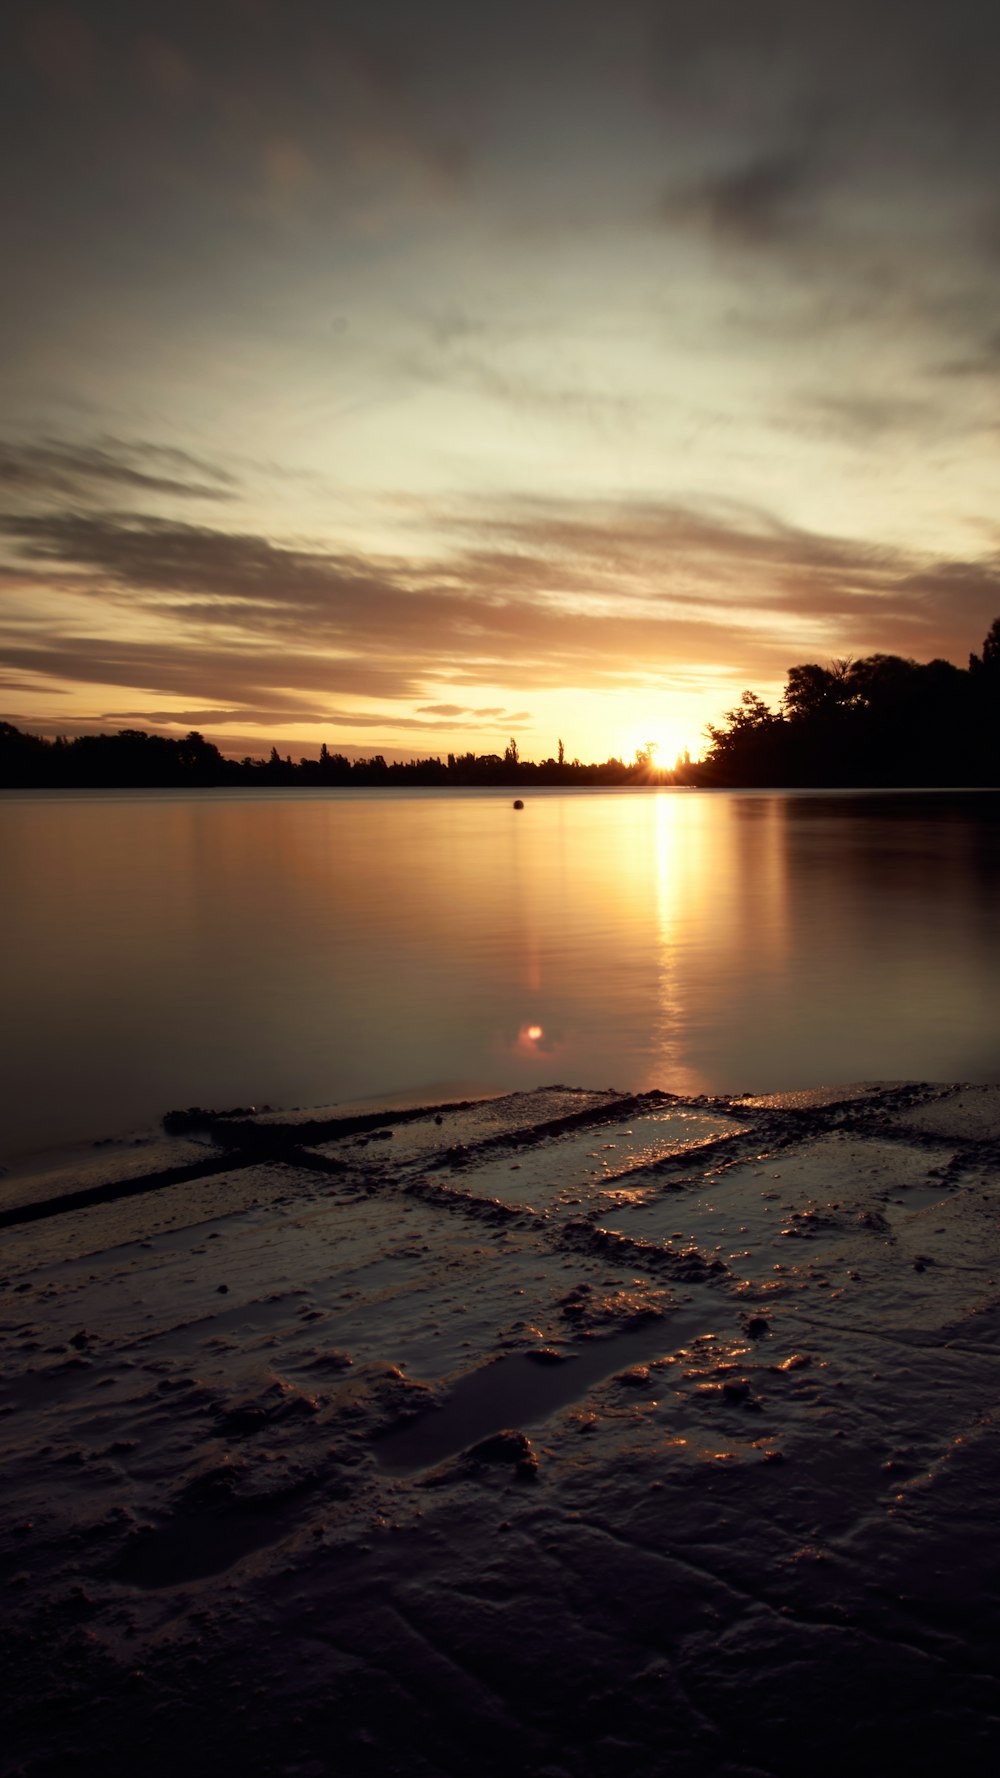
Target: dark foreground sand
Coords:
[[742, 1520]]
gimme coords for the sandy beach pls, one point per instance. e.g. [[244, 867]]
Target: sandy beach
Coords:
[[568, 1433]]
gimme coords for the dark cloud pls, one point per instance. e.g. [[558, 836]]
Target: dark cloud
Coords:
[[849, 149], [52, 469], [855, 64], [248, 676], [644, 535], [13, 680], [755, 203], [982, 358], [226, 571]]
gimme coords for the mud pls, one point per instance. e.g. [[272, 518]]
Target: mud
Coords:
[[567, 1434]]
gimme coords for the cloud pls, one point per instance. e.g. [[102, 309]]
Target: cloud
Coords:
[[535, 595], [265, 717], [496, 713], [838, 158], [51, 469], [556, 388], [780, 60], [982, 359], [13, 680], [248, 676], [326, 715], [865, 417], [755, 203], [698, 563]]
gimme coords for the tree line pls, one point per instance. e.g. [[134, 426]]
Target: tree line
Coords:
[[133, 759], [880, 721], [876, 722]]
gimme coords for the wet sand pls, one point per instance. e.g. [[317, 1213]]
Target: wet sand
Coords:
[[570, 1434]]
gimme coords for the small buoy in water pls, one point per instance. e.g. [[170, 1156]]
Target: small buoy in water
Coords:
[[518, 803]]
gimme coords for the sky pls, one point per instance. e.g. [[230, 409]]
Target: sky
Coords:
[[411, 376]]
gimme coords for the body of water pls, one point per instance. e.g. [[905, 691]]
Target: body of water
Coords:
[[297, 947]]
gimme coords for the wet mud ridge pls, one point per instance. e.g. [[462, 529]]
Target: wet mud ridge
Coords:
[[571, 1434]]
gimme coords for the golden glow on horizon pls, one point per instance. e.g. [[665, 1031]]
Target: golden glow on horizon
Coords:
[[664, 742], [595, 723]]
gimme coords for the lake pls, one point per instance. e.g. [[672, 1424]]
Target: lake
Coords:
[[312, 947]]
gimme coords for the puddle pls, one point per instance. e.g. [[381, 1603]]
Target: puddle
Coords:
[[917, 1198], [807, 1098], [854, 1167], [184, 1552], [597, 1162], [517, 1390], [919, 1206], [59, 1172], [401, 1143], [787, 1205], [739, 1227]]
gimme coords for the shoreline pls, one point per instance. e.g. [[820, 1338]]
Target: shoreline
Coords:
[[564, 1432]]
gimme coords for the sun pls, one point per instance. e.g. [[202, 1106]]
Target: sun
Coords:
[[656, 747]]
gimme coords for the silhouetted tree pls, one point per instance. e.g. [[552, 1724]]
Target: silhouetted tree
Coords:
[[880, 720], [987, 665], [984, 673], [748, 749], [199, 760]]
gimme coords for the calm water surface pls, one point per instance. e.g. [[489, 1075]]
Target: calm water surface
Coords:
[[310, 947]]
